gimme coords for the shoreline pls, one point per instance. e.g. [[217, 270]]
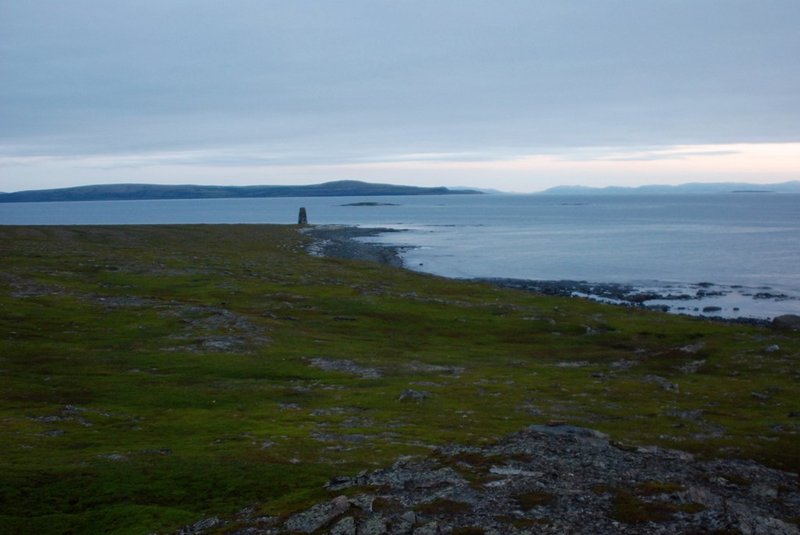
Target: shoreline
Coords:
[[698, 300], [340, 241], [629, 295]]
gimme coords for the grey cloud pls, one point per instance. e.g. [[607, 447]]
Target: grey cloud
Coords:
[[357, 78]]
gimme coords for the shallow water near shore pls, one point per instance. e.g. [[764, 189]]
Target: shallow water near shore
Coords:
[[725, 256], [747, 247]]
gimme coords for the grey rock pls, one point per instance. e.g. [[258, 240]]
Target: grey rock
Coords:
[[787, 321], [341, 503], [374, 525], [693, 348], [413, 395], [431, 528], [572, 364], [754, 524], [317, 516], [401, 527], [160, 451], [363, 501], [114, 457], [201, 526], [566, 429], [553, 478], [345, 526], [409, 516], [692, 367], [764, 491], [417, 366], [660, 381], [345, 366], [691, 415]]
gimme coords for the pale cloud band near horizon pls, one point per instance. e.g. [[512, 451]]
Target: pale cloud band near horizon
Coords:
[[592, 166]]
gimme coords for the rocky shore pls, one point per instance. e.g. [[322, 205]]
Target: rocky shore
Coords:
[[552, 479], [692, 300], [340, 241], [705, 299]]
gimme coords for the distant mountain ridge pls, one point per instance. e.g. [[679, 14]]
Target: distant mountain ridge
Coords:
[[131, 192], [690, 188]]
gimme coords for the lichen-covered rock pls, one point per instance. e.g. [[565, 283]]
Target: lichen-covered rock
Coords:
[[551, 479], [201, 526], [345, 366], [317, 516], [346, 526]]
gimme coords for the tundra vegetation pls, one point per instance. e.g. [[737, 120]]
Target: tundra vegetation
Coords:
[[151, 376]]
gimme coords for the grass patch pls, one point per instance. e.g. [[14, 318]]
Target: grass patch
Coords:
[[629, 509], [652, 488], [639, 506]]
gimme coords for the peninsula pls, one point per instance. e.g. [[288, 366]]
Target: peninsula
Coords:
[[136, 192]]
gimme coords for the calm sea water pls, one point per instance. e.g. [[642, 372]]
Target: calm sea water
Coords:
[[750, 241]]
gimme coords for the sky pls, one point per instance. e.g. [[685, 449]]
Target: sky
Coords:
[[516, 95]]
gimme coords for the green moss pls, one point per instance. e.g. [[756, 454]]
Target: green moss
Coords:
[[631, 510], [532, 499], [651, 488]]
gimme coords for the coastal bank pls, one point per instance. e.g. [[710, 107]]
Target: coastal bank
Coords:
[[220, 378]]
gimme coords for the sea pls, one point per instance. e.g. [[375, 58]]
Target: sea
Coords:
[[734, 255]]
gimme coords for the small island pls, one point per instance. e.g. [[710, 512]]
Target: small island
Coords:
[[369, 203]]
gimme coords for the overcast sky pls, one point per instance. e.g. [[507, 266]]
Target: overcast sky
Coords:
[[516, 95]]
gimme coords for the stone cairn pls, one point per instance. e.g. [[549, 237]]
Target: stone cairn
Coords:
[[302, 217]]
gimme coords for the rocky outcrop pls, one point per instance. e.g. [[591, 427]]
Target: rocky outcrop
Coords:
[[551, 479], [345, 366]]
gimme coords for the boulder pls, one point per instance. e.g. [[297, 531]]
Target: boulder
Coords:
[[787, 321]]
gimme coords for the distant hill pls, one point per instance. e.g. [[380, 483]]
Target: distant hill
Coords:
[[691, 188], [129, 192]]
